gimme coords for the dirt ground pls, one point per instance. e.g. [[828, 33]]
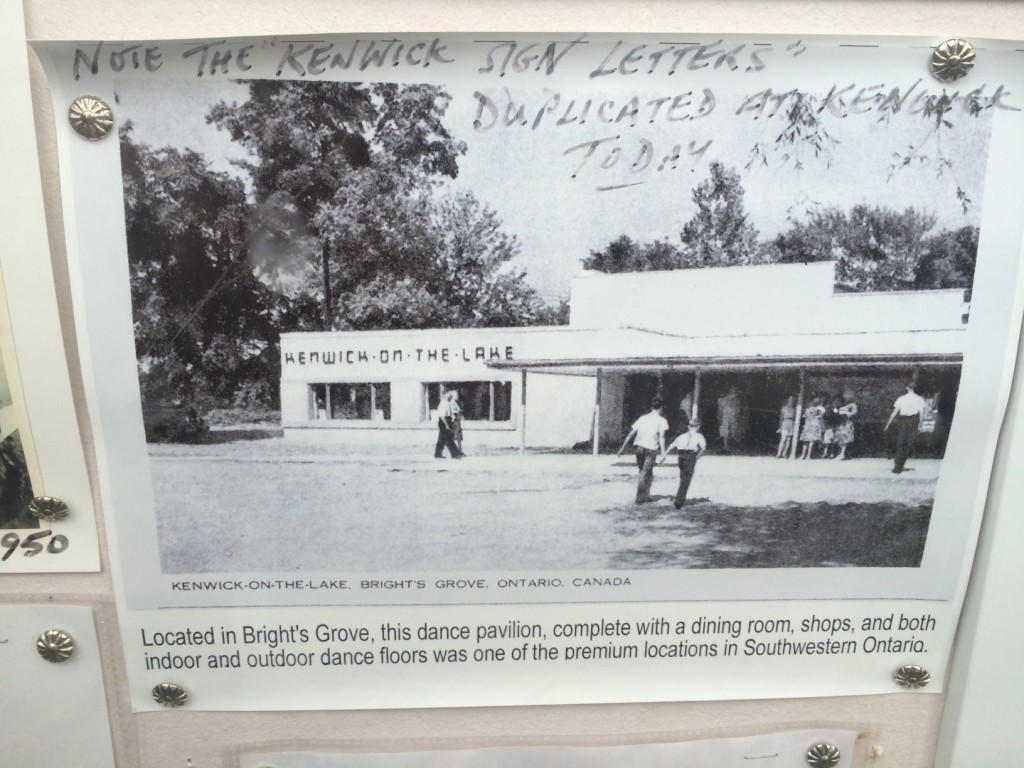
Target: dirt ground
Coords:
[[270, 505]]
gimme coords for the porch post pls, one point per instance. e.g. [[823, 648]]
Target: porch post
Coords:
[[522, 414], [796, 419], [695, 410], [596, 431]]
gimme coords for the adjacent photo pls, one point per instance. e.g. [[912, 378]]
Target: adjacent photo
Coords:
[[15, 437]]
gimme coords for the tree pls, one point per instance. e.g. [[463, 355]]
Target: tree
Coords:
[[450, 265], [203, 322], [473, 273], [338, 155], [948, 259], [625, 255], [719, 234], [803, 131], [876, 248], [343, 225]]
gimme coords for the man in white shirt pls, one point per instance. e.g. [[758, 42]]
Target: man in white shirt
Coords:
[[691, 444], [906, 414], [648, 436], [446, 428]]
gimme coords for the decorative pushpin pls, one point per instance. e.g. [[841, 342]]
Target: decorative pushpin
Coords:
[[48, 508], [952, 60], [170, 695], [91, 117], [55, 645], [912, 676], [823, 756]]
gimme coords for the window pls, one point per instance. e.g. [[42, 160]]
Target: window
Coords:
[[479, 400], [350, 402]]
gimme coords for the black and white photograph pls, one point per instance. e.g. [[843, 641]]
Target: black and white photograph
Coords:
[[47, 523], [551, 317], [15, 439]]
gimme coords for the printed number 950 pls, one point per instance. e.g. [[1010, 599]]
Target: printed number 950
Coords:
[[32, 544]]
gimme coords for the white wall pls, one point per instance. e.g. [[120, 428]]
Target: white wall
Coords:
[[559, 410], [783, 297]]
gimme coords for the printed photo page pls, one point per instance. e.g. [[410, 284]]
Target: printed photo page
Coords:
[[379, 322], [42, 463]]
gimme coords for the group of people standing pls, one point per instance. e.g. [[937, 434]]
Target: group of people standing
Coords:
[[828, 429], [825, 428]]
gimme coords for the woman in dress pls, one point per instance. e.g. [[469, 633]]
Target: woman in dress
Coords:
[[845, 432], [813, 428], [787, 421]]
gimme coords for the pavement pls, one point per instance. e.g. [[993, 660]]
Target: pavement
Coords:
[[729, 479], [270, 505]]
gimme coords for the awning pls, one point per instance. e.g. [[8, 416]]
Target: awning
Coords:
[[581, 352]]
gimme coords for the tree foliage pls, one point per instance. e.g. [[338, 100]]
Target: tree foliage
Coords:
[[336, 220], [948, 259], [343, 166], [718, 233], [875, 248], [202, 319], [803, 130], [626, 255]]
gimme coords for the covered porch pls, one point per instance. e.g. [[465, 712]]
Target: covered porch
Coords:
[[692, 375]]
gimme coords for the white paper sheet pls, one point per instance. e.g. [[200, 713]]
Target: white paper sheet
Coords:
[[345, 537], [36, 407], [41, 699], [776, 749]]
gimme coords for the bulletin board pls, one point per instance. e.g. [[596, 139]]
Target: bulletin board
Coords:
[[897, 728]]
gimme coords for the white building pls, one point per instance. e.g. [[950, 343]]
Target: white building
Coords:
[[768, 331]]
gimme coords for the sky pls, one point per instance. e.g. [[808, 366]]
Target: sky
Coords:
[[563, 196]]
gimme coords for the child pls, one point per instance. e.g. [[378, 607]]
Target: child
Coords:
[[691, 444]]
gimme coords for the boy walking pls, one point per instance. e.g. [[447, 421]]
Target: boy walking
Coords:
[[691, 444]]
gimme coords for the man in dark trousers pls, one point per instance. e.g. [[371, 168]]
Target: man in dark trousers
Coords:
[[906, 413], [446, 428], [691, 444], [648, 436]]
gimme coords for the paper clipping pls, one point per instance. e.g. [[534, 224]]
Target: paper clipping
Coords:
[[721, 328], [777, 749], [70, 692], [40, 447]]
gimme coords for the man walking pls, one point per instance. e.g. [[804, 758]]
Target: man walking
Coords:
[[691, 444], [446, 428], [648, 436], [906, 413]]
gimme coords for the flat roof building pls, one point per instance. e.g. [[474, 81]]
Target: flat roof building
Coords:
[[762, 333]]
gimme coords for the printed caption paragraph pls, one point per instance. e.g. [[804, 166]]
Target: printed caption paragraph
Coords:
[[667, 637]]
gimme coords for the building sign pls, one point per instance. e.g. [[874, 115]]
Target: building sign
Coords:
[[479, 354]]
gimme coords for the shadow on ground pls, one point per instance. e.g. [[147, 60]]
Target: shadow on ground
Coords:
[[219, 436], [704, 534]]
